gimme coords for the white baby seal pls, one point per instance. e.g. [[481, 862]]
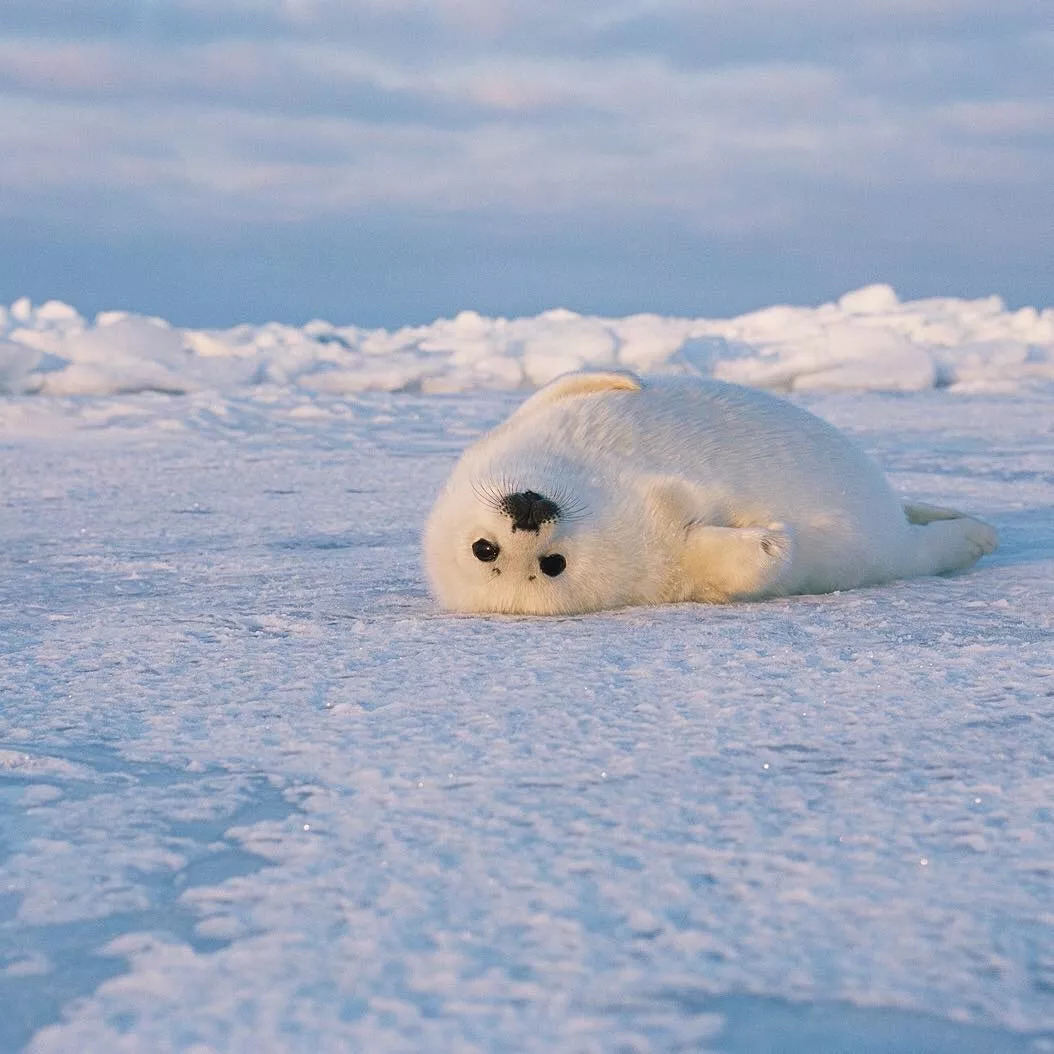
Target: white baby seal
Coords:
[[605, 490]]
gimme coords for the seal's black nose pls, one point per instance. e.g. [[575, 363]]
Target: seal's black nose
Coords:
[[529, 510]]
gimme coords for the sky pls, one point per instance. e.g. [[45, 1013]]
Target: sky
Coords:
[[384, 162]]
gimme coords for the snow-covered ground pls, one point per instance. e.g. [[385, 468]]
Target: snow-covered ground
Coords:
[[256, 793]]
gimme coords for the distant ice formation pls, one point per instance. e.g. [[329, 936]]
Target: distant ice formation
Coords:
[[868, 339]]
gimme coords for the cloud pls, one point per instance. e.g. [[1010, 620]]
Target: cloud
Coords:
[[771, 120]]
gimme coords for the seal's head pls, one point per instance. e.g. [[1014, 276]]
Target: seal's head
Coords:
[[527, 549], [541, 517]]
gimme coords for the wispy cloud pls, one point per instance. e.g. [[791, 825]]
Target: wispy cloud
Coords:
[[736, 122]]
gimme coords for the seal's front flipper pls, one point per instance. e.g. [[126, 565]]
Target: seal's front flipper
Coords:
[[587, 382], [735, 563]]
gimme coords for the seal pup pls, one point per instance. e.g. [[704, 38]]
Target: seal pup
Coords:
[[605, 490]]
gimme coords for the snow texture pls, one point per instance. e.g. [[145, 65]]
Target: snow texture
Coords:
[[867, 340], [257, 793]]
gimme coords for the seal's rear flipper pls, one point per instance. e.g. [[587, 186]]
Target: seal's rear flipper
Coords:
[[918, 512], [948, 543]]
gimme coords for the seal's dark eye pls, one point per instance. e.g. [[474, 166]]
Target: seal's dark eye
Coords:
[[552, 565], [486, 551]]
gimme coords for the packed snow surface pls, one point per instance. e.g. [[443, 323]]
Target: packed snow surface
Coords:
[[258, 793]]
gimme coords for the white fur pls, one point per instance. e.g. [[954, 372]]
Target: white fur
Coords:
[[674, 489]]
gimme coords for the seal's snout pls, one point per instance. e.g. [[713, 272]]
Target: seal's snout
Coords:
[[529, 510]]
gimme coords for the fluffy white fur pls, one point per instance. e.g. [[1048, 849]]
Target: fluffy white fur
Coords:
[[672, 489]]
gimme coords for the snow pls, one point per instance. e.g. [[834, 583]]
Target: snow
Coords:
[[867, 340], [257, 793]]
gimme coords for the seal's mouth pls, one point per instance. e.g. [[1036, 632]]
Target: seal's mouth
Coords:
[[528, 510]]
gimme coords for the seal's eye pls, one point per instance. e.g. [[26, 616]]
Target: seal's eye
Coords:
[[487, 551], [552, 565]]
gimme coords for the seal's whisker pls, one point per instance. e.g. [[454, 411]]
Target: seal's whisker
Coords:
[[487, 493], [571, 506]]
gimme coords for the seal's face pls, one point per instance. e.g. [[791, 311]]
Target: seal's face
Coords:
[[528, 512], [496, 549]]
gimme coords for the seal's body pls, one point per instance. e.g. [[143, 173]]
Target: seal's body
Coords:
[[604, 490]]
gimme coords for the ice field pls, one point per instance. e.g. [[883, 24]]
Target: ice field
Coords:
[[257, 793]]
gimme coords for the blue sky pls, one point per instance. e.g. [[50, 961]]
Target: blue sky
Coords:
[[390, 161]]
